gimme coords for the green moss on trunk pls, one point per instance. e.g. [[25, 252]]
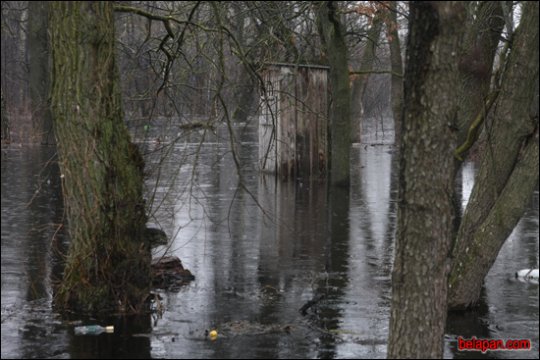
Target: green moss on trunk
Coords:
[[108, 265], [333, 36], [508, 171]]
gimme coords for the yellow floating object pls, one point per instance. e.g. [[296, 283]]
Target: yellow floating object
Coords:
[[213, 335]]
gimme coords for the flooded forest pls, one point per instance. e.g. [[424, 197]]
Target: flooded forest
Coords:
[[270, 179]]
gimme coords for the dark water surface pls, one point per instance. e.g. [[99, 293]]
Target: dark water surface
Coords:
[[259, 254]]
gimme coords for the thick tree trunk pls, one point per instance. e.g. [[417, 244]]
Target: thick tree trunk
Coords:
[[333, 36], [483, 32], [425, 213], [245, 93], [6, 133], [108, 264], [508, 172], [360, 83], [397, 70], [39, 72]]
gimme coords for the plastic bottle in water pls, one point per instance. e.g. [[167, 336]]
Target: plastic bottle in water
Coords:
[[93, 329]]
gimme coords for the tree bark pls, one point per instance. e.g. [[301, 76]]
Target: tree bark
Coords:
[[483, 33], [39, 73], [108, 264], [245, 93], [508, 172], [360, 83], [425, 211], [396, 62], [333, 37], [6, 133]]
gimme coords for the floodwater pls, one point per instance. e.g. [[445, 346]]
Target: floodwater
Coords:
[[260, 252]]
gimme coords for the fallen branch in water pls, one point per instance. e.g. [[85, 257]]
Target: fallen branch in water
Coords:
[[303, 310]]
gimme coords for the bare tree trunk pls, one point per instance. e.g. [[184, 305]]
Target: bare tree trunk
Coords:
[[360, 83], [39, 73], [508, 172], [6, 133], [333, 36], [425, 213], [22, 89], [245, 93], [108, 265], [483, 32], [397, 70]]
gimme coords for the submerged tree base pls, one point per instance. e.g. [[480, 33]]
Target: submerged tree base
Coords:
[[108, 264], [111, 283]]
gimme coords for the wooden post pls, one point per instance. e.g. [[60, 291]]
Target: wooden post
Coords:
[[293, 121]]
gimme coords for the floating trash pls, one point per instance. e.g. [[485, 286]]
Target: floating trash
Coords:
[[93, 329], [530, 275]]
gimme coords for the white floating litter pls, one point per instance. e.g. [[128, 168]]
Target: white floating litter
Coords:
[[528, 275]]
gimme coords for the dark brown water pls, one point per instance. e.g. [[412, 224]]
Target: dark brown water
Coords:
[[259, 254]]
